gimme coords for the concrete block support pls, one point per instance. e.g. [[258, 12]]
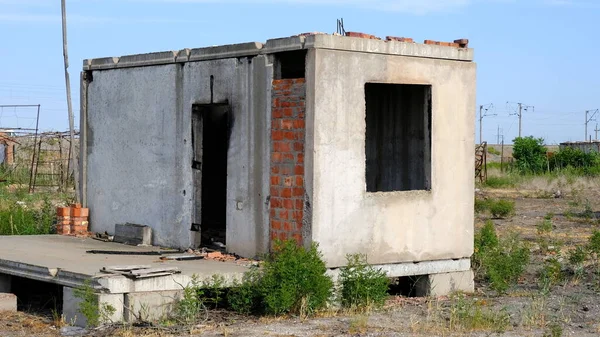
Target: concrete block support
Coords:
[[71, 307], [150, 306], [445, 283], [8, 302], [5, 283]]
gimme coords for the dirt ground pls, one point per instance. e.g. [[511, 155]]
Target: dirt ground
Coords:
[[571, 308]]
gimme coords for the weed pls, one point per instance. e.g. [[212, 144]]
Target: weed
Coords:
[[549, 216], [292, 280], [93, 311], [362, 285], [550, 275], [501, 262], [577, 258], [554, 330], [481, 205], [544, 227], [469, 314], [213, 291], [359, 325], [594, 243], [502, 208], [500, 181], [189, 308]]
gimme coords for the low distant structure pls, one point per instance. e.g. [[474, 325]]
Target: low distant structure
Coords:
[[591, 146]]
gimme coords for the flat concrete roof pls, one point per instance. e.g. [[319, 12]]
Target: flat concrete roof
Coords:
[[63, 260], [317, 41]]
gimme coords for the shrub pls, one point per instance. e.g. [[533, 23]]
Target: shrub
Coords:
[[481, 205], [529, 154], [550, 274], [501, 262], [544, 226], [574, 158], [594, 243], [292, 280], [362, 285], [502, 208]]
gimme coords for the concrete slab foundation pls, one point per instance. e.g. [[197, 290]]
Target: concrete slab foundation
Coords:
[[73, 316], [8, 302], [150, 306], [446, 283], [63, 260]]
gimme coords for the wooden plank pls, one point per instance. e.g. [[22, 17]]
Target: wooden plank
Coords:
[[182, 257], [125, 268], [154, 270], [152, 275], [133, 234]]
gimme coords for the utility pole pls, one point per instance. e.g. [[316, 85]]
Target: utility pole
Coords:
[[74, 163], [596, 129], [481, 116], [587, 120], [499, 135], [522, 107]]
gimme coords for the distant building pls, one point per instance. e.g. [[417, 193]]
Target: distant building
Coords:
[[593, 146]]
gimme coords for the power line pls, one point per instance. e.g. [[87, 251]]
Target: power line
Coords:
[[519, 112]]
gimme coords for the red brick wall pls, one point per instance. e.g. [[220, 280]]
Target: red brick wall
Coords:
[[287, 159]]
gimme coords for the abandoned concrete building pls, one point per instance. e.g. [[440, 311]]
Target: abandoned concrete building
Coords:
[[359, 144]]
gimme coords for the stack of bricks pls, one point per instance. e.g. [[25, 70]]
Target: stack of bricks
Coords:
[[287, 160], [72, 220]]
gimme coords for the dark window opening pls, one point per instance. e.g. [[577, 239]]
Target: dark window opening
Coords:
[[211, 128], [398, 137], [290, 64]]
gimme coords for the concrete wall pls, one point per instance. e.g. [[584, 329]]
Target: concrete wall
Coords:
[[136, 164], [390, 227], [138, 160]]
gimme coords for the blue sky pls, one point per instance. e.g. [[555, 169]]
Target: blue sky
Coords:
[[540, 52]]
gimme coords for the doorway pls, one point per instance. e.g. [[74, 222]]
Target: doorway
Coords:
[[211, 128]]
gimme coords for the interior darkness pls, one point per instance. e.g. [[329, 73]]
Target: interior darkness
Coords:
[[36, 296], [210, 158], [408, 286], [398, 137], [290, 64]]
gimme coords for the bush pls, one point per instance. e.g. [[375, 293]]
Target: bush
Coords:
[[574, 158], [502, 208], [481, 205], [362, 285], [550, 274], [501, 262], [292, 280], [529, 154]]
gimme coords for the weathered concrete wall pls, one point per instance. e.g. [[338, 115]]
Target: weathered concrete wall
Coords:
[[244, 84], [390, 227], [136, 163], [139, 148]]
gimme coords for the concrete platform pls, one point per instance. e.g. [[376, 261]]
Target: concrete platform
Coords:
[[63, 260]]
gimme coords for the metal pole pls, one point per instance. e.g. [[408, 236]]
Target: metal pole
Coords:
[[586, 123], [69, 106], [37, 124], [520, 115], [480, 121]]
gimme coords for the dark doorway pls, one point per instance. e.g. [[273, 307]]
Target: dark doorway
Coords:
[[211, 125]]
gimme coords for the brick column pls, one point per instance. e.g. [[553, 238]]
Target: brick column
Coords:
[[287, 159]]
